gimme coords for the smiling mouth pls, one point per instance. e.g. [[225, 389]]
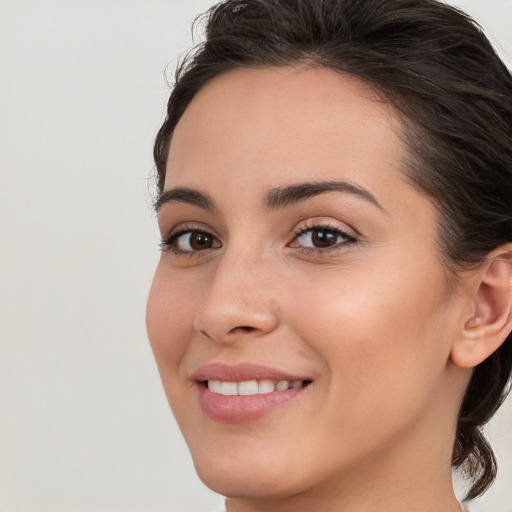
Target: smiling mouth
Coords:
[[252, 387]]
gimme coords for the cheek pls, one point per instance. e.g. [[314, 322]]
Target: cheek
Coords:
[[381, 337], [169, 320]]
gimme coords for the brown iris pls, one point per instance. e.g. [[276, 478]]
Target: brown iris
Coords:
[[199, 241], [323, 237]]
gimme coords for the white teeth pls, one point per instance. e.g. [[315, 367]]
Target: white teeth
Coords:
[[215, 386], [282, 385], [266, 386], [229, 388], [248, 387], [251, 387]]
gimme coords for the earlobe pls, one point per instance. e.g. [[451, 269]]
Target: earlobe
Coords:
[[490, 321]]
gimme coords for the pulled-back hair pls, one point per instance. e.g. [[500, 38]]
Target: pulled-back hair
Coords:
[[434, 65]]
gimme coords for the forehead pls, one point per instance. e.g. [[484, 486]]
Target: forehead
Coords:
[[266, 125]]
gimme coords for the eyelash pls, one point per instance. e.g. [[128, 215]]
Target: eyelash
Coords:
[[349, 240], [169, 243]]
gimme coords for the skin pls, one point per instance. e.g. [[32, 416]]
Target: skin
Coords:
[[373, 323]]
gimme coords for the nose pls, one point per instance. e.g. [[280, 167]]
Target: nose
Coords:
[[238, 301]]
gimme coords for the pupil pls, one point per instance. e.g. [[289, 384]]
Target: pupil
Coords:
[[324, 238], [200, 241]]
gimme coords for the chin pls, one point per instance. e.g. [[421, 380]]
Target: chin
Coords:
[[237, 478]]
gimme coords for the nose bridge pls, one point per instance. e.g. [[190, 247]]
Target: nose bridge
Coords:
[[239, 299]]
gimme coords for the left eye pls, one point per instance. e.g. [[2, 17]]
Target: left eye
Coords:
[[192, 241], [321, 238]]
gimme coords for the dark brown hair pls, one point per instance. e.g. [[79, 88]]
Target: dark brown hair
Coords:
[[438, 70]]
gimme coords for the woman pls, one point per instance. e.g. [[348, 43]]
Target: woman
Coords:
[[331, 313]]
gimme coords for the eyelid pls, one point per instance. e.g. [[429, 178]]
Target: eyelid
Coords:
[[325, 225], [320, 222], [166, 242], [183, 227], [349, 238]]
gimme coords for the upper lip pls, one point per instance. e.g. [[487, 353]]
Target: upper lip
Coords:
[[242, 372]]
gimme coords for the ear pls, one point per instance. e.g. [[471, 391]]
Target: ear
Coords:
[[490, 320]]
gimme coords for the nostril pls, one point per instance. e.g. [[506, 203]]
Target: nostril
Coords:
[[239, 329], [245, 328], [242, 329]]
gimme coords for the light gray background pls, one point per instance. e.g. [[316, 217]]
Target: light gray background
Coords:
[[84, 424]]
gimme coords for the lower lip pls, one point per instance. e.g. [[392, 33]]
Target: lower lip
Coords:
[[242, 409]]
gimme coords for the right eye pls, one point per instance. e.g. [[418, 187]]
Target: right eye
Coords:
[[190, 241]]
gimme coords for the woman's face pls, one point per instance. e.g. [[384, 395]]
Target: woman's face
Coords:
[[301, 280]]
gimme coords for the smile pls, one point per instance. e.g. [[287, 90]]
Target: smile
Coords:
[[246, 392], [252, 387]]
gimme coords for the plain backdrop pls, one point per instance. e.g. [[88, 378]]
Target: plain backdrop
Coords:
[[84, 425]]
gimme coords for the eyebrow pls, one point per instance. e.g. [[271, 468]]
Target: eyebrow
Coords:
[[185, 195], [286, 196], [278, 197]]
